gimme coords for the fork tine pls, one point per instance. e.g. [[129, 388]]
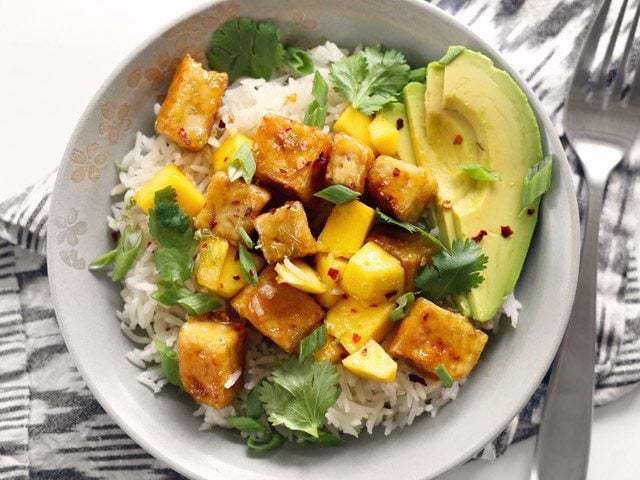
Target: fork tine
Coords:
[[603, 72], [583, 69], [623, 69]]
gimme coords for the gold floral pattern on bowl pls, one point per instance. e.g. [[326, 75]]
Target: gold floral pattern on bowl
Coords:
[[88, 163], [114, 120]]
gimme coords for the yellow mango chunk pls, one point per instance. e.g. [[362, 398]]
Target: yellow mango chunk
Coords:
[[373, 275], [354, 123], [225, 152], [299, 275], [354, 323], [346, 228], [384, 135], [190, 199], [372, 362], [212, 253], [331, 351], [330, 269]]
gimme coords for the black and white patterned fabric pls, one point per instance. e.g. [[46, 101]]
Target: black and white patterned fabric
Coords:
[[52, 428]]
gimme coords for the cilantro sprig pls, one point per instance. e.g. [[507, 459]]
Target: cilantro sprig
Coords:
[[452, 272], [409, 227], [370, 78]]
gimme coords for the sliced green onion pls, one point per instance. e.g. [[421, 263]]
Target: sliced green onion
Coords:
[[198, 303], [242, 164], [104, 260], [538, 181], [270, 442], [418, 75], [169, 294], [128, 248], [245, 236], [444, 375], [246, 424], [248, 267], [337, 194], [479, 172], [409, 227], [451, 55], [311, 343], [298, 60], [403, 305], [317, 110], [168, 362]]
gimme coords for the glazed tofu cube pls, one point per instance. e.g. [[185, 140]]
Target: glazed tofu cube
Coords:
[[194, 96], [187, 194], [373, 275], [400, 188], [354, 323], [230, 205], [413, 251], [371, 362], [284, 232], [331, 351], [330, 269], [279, 311], [291, 156], [210, 355], [430, 336], [346, 229], [349, 163]]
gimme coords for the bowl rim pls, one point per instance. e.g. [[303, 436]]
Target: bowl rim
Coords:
[[468, 450]]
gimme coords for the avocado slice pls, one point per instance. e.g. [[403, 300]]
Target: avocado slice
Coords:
[[396, 114], [475, 113]]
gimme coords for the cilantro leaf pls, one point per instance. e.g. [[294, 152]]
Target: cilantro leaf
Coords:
[[169, 225], [300, 395], [298, 60], [311, 343], [370, 78], [173, 265], [455, 271], [409, 227], [245, 47], [168, 362]]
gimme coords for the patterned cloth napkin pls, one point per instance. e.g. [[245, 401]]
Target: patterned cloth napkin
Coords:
[[51, 426]]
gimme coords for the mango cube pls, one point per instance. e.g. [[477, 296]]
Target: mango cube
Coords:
[[212, 253], [299, 275], [346, 228], [189, 197], [373, 275], [372, 363], [226, 278], [225, 152], [354, 323], [331, 351], [384, 136], [330, 269], [354, 123]]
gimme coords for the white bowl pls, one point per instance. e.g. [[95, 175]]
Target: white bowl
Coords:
[[511, 367]]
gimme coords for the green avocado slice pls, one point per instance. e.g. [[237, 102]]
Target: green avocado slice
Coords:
[[474, 113]]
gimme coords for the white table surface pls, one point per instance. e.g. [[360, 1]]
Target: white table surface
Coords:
[[55, 55]]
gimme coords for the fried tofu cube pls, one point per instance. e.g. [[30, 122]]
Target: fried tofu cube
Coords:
[[211, 354], [373, 275], [331, 351], [330, 269], [187, 194], [194, 96], [225, 152], [284, 232], [279, 311], [400, 188], [354, 123], [371, 362], [346, 228], [430, 336], [413, 251], [230, 205], [291, 156], [354, 323], [349, 162]]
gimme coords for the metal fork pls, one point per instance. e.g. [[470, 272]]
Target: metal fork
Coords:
[[602, 125]]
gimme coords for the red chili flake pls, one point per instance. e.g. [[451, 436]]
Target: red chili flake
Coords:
[[399, 124], [115, 235], [417, 379], [446, 204], [333, 273], [530, 211], [479, 236], [345, 296], [396, 172], [457, 139], [183, 136], [356, 338], [236, 277], [364, 352], [238, 327], [222, 125], [353, 310], [248, 211], [390, 294], [212, 223], [506, 231]]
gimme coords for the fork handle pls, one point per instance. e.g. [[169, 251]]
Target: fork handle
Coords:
[[562, 446]]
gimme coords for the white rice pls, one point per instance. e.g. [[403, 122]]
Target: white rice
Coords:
[[363, 404]]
